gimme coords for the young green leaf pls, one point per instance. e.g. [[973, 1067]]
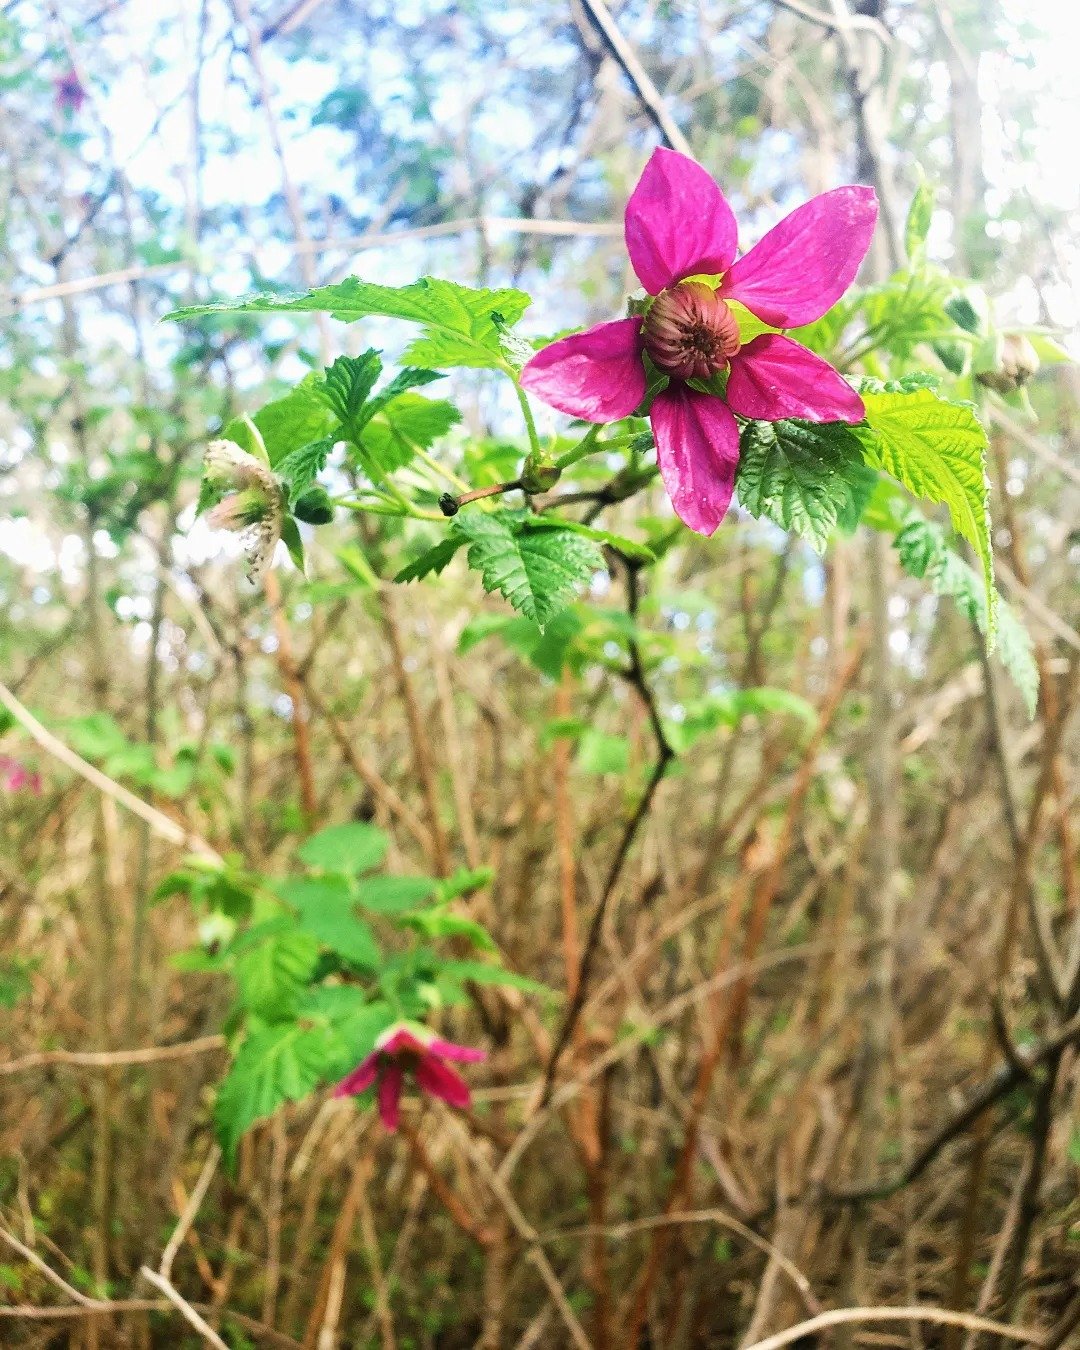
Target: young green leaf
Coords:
[[326, 909], [435, 559], [460, 328], [299, 418], [346, 387], [391, 437], [271, 973], [274, 1065], [538, 571], [300, 467], [917, 225], [353, 847], [803, 476], [937, 450], [394, 895], [924, 553]]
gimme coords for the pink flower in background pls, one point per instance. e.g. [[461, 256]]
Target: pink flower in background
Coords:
[[407, 1048], [679, 227], [16, 777], [69, 92]]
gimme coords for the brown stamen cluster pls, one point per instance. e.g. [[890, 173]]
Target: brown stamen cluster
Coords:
[[690, 332]]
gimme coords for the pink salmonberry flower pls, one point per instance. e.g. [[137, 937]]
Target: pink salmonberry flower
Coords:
[[681, 236], [16, 777], [68, 92], [408, 1048]]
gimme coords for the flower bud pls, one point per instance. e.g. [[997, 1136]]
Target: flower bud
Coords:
[[1017, 362]]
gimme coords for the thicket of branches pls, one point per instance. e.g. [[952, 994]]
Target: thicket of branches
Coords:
[[823, 1050]]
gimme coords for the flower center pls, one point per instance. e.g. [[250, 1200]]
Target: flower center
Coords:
[[690, 332]]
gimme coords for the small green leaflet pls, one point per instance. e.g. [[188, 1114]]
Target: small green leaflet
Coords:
[[286, 423], [277, 1064], [325, 906], [803, 476], [937, 450], [300, 467], [460, 324], [353, 847], [394, 895], [917, 226], [357, 1022], [434, 559], [346, 386], [539, 570], [272, 971], [924, 553]]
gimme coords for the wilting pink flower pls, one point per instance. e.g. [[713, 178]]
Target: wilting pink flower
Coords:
[[68, 92], [680, 228], [407, 1047], [253, 503], [16, 777]]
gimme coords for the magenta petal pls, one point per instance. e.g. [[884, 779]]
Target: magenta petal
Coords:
[[390, 1095], [465, 1054], [678, 223], [443, 1082], [360, 1079], [597, 375], [397, 1038], [697, 447], [806, 263], [773, 377]]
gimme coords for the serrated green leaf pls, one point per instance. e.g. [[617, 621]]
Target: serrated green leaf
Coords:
[[300, 467], [538, 571], [346, 386], [274, 1065], [434, 560], [412, 377], [937, 450], [353, 847], [909, 309], [801, 475], [924, 553], [394, 895], [326, 909], [457, 320], [287, 423], [390, 439], [627, 547], [357, 1022], [440, 923], [271, 974]]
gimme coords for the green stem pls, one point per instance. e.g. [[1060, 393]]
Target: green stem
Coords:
[[526, 411], [584, 447]]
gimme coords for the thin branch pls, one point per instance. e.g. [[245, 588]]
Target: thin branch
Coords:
[[108, 1059], [205, 1330], [942, 1316], [160, 823], [646, 92]]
